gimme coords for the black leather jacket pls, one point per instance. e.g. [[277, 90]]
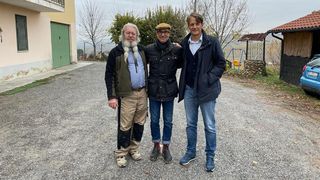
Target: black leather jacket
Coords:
[[163, 65]]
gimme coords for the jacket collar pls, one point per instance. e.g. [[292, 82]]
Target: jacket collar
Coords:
[[205, 40], [168, 49], [198, 41]]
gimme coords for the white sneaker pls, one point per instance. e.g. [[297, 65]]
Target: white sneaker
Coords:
[[121, 161], [135, 155]]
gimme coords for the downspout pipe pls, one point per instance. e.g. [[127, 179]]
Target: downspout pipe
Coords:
[[281, 39], [273, 35]]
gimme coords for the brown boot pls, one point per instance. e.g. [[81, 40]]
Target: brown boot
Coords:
[[166, 154], [155, 152]]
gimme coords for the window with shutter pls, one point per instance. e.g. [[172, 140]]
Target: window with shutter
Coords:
[[22, 33]]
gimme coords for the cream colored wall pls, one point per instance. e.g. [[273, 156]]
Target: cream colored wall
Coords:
[[39, 55], [68, 17], [39, 37]]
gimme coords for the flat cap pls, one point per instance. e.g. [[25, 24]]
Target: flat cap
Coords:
[[163, 26]]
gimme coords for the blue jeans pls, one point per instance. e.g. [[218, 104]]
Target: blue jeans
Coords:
[[207, 109], [167, 106]]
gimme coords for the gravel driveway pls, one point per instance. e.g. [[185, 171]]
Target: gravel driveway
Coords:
[[64, 130]]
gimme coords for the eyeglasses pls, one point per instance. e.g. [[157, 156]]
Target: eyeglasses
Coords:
[[163, 32]]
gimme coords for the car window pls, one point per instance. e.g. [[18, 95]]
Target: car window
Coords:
[[315, 61], [316, 56]]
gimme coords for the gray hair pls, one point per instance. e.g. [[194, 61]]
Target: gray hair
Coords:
[[125, 27]]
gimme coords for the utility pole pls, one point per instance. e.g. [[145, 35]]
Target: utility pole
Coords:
[[84, 50], [195, 6]]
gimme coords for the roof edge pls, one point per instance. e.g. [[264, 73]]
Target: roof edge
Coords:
[[293, 30]]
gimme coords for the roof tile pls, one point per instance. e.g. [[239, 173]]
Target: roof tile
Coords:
[[308, 22]]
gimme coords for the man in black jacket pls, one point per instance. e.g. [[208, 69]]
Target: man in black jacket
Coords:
[[164, 58], [200, 86]]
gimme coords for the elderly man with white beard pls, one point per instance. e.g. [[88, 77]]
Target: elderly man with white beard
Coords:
[[125, 77]]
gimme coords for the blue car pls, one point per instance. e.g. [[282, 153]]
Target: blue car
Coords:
[[310, 79]]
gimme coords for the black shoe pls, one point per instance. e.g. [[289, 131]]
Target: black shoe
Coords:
[[155, 152], [166, 154], [210, 164], [187, 158]]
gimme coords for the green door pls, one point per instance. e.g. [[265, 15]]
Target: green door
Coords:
[[60, 45]]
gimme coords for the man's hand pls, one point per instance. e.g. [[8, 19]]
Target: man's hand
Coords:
[[176, 44], [113, 103]]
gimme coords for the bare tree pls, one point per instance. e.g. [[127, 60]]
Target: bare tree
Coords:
[[274, 52], [92, 29], [225, 19], [194, 5]]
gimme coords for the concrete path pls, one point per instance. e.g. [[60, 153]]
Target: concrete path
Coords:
[[21, 81], [64, 130]]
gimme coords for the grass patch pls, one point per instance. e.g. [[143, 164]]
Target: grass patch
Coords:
[[25, 87], [233, 72], [272, 81]]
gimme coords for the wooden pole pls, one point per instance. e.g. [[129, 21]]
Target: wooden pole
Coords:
[[247, 47], [264, 51], [84, 51]]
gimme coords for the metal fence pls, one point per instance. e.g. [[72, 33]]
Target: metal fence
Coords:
[[58, 2]]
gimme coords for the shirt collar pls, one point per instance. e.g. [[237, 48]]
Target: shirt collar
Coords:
[[195, 42]]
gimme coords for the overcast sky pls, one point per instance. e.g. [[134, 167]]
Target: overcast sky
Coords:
[[263, 14]]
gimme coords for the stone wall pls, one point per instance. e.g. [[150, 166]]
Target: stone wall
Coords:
[[254, 67]]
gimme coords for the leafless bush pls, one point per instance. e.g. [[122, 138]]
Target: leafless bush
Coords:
[[273, 53]]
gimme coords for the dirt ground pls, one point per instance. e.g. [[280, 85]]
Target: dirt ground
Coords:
[[64, 130], [301, 103]]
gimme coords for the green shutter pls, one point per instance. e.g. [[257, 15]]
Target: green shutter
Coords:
[[60, 45], [22, 33]]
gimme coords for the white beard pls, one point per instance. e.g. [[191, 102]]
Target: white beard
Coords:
[[126, 45]]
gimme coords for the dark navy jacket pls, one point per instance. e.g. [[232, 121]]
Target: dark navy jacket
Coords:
[[210, 67]]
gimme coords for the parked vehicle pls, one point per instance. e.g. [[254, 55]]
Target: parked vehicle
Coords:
[[310, 79]]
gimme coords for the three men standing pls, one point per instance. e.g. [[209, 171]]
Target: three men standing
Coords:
[[126, 79]]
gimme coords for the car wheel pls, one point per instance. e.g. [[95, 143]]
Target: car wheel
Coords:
[[310, 93], [307, 92]]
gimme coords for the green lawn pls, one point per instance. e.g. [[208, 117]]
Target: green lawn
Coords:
[[25, 87]]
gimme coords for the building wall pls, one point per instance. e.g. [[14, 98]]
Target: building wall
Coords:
[[298, 44], [68, 17], [316, 43], [38, 55], [291, 68]]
